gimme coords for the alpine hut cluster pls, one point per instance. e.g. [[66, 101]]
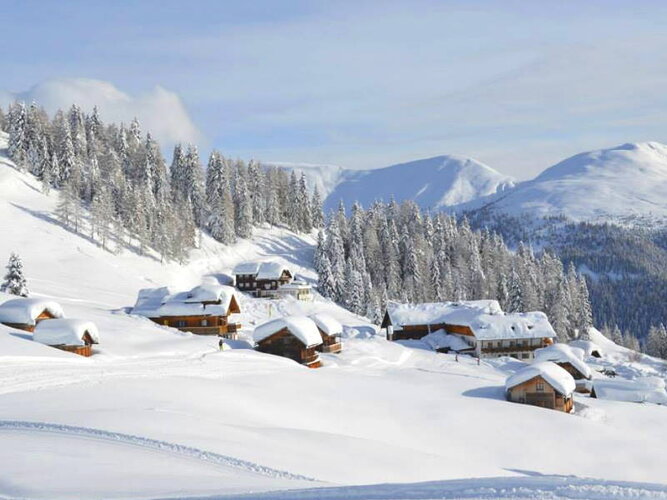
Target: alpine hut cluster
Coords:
[[203, 310], [46, 321], [300, 338], [270, 280], [478, 327]]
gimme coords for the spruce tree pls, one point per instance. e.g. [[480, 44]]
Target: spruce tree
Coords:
[[14, 281]]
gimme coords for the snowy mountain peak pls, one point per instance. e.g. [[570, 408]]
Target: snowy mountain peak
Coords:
[[434, 182], [625, 183]]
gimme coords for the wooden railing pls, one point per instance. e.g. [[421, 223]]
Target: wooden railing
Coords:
[[337, 347]]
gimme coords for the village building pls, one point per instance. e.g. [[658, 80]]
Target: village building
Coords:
[[591, 349], [486, 331], [543, 384], [330, 330], [72, 335], [26, 313], [293, 337], [204, 310], [270, 280], [571, 360]]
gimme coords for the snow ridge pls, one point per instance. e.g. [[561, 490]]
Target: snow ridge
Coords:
[[188, 451]]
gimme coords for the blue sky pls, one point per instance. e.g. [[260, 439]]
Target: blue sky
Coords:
[[517, 85]]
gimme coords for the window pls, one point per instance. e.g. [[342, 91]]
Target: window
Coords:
[[524, 355], [181, 323], [539, 386], [204, 322], [267, 286]]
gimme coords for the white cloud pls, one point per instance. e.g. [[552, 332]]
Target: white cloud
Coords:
[[160, 111]]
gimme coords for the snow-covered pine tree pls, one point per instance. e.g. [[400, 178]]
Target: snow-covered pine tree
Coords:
[[18, 143], [14, 281], [316, 209], [656, 342], [243, 203], [515, 290], [305, 215]]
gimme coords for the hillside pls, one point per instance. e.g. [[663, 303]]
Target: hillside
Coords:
[[432, 182], [624, 184], [162, 413]]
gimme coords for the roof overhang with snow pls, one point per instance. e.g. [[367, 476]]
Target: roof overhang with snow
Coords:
[[302, 327], [66, 332], [25, 311]]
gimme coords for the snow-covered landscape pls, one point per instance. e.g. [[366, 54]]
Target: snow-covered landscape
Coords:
[[407, 250], [157, 412]]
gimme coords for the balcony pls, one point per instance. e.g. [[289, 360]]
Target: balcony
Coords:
[[334, 348]]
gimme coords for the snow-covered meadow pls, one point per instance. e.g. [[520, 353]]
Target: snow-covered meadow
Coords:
[[161, 413]]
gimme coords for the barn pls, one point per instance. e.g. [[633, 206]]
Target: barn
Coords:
[[203, 310], [330, 330], [543, 384], [25, 313], [481, 324], [293, 337], [72, 335]]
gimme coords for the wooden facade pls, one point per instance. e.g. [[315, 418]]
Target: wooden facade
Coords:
[[283, 343], [45, 314], [82, 350], [538, 392], [330, 343], [572, 370], [261, 287]]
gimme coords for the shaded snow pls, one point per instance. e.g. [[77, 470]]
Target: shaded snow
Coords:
[[65, 331]]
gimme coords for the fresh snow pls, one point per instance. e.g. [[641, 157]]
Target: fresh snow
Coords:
[[161, 413], [65, 331], [301, 327], [644, 390], [586, 346], [559, 379], [327, 323], [563, 353], [24, 311]]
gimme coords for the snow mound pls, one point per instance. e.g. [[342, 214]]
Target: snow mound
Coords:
[[302, 327], [559, 379], [641, 390], [65, 332], [442, 340], [587, 346], [24, 311]]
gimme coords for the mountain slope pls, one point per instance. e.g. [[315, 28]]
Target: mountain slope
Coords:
[[626, 183], [432, 183]]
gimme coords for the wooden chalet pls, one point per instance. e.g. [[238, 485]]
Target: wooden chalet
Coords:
[[293, 337], [26, 313], [543, 384], [571, 360], [269, 280], [330, 331], [72, 335], [204, 310], [486, 330]]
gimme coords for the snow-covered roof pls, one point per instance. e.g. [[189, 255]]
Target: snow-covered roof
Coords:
[[563, 353], [327, 323], [441, 340], [295, 285], [553, 374], [247, 268], [65, 332], [158, 302], [271, 271], [24, 311], [484, 317], [646, 389], [587, 346], [302, 327]]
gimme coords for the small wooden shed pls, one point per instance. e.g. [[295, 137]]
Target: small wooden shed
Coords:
[[330, 330], [25, 313], [543, 384], [571, 360], [293, 337], [72, 335]]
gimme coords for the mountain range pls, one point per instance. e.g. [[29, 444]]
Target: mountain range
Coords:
[[626, 184]]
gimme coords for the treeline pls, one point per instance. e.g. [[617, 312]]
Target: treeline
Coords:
[[396, 252], [134, 199]]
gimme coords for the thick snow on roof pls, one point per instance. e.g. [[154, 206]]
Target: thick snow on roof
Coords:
[[442, 340], [647, 389], [484, 317], [563, 353], [302, 327], [327, 323], [271, 271], [556, 376], [158, 302], [65, 331], [24, 311], [587, 346], [295, 285], [247, 268]]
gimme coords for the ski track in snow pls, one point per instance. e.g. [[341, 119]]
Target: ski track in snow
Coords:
[[530, 486], [154, 444]]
